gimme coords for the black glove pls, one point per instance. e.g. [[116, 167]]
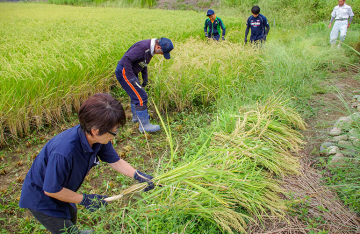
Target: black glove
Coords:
[[223, 38], [142, 177], [206, 35], [93, 202], [264, 38], [134, 81], [145, 81]]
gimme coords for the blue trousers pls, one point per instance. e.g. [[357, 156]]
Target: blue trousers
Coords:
[[137, 93], [215, 37]]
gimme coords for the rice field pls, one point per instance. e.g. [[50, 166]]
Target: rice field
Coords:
[[53, 57]]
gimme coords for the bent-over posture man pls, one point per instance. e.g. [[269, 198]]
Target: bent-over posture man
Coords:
[[136, 60], [259, 26], [49, 189], [343, 15], [213, 25]]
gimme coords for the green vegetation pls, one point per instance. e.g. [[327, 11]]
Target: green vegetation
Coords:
[[230, 136], [68, 53], [113, 3]]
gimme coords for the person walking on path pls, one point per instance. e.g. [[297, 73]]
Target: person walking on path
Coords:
[[135, 60], [259, 26], [213, 25], [343, 15], [50, 187]]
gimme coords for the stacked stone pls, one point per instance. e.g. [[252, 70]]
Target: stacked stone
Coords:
[[345, 136]]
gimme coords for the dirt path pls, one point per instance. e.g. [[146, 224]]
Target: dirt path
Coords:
[[316, 208]]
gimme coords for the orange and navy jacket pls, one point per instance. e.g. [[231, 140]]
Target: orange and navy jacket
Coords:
[[136, 59]]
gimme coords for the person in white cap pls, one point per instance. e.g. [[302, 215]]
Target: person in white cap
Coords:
[[343, 15]]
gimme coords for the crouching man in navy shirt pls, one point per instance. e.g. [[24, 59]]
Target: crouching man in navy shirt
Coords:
[[259, 26], [135, 60], [49, 189]]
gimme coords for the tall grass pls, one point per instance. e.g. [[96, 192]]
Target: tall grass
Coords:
[[112, 3], [229, 74], [290, 13]]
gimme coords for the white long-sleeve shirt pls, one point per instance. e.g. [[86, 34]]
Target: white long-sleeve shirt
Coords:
[[342, 12]]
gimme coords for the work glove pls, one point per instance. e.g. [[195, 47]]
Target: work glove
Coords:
[[206, 34], [142, 177], [223, 38], [144, 83], [93, 202], [134, 81]]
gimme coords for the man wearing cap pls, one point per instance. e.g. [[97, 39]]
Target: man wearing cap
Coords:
[[343, 15], [213, 25], [259, 26], [136, 60]]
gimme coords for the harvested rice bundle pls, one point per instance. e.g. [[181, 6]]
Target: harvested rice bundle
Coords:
[[229, 183], [266, 135], [215, 189]]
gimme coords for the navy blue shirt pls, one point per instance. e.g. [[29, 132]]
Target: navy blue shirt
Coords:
[[63, 163], [257, 25], [136, 59]]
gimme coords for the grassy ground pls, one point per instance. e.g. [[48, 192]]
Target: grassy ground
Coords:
[[201, 89]]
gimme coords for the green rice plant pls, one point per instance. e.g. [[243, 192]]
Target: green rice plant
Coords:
[[203, 71], [63, 54], [267, 136]]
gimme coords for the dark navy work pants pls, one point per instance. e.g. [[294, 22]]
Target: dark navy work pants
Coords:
[[215, 37], [137, 93], [58, 225]]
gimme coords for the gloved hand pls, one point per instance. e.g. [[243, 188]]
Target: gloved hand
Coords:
[[206, 34], [142, 177], [264, 38], [134, 81], [223, 38], [93, 202], [145, 81]]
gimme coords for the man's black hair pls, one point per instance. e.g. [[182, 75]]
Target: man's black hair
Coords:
[[255, 10]]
